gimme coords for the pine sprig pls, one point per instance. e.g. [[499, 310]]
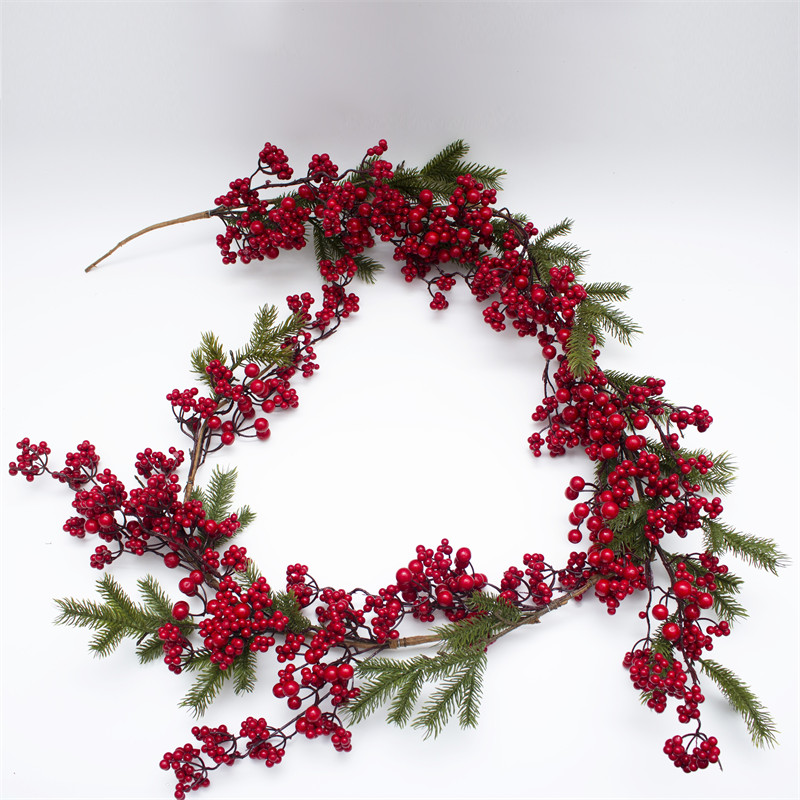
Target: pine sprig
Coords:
[[218, 494], [266, 339], [155, 598], [367, 268], [210, 349], [406, 695], [246, 516], [579, 348], [207, 685], [150, 649], [607, 291], [727, 607], [461, 692], [717, 480], [457, 674], [119, 617], [243, 672], [763, 553], [622, 382], [446, 158], [599, 317], [441, 172], [286, 603], [758, 720], [556, 231]]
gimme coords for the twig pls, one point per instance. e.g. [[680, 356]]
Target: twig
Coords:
[[178, 221]]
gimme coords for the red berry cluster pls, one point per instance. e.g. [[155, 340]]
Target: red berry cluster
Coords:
[[31, 461]]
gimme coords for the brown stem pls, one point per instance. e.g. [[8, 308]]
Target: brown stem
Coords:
[[527, 619], [198, 456], [178, 221]]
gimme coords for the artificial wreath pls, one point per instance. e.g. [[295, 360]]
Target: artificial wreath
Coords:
[[341, 654]]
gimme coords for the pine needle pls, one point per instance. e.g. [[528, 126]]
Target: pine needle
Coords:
[[741, 698]]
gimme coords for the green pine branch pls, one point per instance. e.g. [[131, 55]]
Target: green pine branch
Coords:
[[243, 672], [599, 316], [208, 684], [458, 678], [367, 268], [119, 617], [459, 692], [662, 646], [217, 498], [406, 694], [266, 339], [717, 480], [556, 231], [286, 603], [607, 291], [218, 494], [446, 158], [150, 649], [210, 349], [155, 598], [548, 255], [727, 607], [742, 699], [580, 359], [246, 516], [720, 537], [728, 582]]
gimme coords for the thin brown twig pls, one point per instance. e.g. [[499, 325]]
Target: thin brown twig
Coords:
[[178, 221]]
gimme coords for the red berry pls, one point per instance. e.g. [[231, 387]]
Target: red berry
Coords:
[[180, 610], [660, 612]]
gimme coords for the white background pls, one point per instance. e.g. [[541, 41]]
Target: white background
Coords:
[[668, 131]]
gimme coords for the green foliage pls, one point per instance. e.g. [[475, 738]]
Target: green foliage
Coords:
[[207, 685], [440, 173], [545, 252], [717, 480], [286, 603], [661, 645], [628, 527], [600, 318], [606, 292], [210, 349], [217, 498], [330, 248], [218, 495], [459, 678], [727, 607], [243, 672], [556, 231], [446, 159], [119, 617], [763, 553], [758, 720], [622, 382], [464, 636], [728, 585], [266, 339], [264, 347], [456, 671], [460, 692], [580, 358], [246, 516]]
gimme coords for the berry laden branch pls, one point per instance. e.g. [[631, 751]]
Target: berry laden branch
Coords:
[[646, 496]]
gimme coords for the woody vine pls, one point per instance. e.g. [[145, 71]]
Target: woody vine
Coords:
[[645, 522]]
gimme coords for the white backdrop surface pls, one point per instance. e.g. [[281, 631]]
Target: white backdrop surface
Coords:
[[667, 131]]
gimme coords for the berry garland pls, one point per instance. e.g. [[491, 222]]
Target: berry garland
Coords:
[[647, 493]]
